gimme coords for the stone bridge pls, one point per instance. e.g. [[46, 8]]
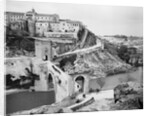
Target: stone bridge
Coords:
[[64, 85]]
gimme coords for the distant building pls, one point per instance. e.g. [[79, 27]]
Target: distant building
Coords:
[[19, 25], [47, 17], [69, 26], [37, 23], [15, 16], [41, 27], [74, 26], [54, 27]]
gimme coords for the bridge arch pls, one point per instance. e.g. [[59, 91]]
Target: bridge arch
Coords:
[[81, 81]]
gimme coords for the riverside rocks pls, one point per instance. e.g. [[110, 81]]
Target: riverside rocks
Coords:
[[129, 96]]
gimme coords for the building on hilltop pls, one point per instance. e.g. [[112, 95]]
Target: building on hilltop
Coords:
[[41, 27], [70, 26], [15, 16], [38, 23], [54, 27], [19, 25], [33, 20]]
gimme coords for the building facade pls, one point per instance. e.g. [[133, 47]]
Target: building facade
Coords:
[[40, 23], [54, 27], [19, 25], [37, 23], [15, 16], [41, 27], [69, 26]]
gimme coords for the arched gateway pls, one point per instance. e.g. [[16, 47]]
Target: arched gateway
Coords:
[[81, 81]]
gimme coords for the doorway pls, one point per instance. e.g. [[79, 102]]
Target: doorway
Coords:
[[50, 82], [80, 80]]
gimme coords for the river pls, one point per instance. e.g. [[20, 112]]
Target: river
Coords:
[[27, 100], [112, 81]]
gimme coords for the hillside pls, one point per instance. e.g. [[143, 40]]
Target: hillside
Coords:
[[99, 62]]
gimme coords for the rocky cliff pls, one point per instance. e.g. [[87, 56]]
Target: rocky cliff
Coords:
[[99, 62]]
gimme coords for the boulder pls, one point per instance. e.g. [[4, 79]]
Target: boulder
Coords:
[[129, 95]]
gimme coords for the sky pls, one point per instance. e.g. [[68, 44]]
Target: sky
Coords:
[[101, 20]]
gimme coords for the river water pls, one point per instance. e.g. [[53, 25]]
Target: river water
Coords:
[[112, 81], [27, 100]]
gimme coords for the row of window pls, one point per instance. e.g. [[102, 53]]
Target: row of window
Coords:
[[53, 26], [46, 18], [14, 19], [46, 24], [74, 24], [42, 24], [63, 29], [17, 16], [37, 17]]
